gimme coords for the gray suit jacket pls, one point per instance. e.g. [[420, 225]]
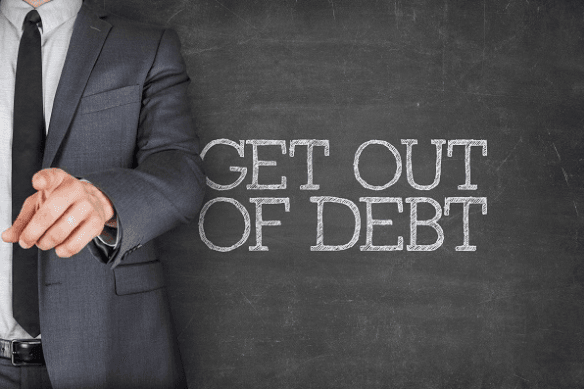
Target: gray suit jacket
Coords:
[[120, 120]]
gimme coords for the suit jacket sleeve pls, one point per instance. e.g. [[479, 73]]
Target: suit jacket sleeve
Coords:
[[166, 186]]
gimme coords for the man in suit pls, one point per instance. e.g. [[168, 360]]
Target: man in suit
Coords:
[[120, 167]]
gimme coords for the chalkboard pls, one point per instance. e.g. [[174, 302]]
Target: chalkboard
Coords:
[[477, 282]]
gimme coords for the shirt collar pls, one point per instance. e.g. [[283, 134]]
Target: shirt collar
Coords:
[[53, 14]]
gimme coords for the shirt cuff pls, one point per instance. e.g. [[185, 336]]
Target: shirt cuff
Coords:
[[110, 235]]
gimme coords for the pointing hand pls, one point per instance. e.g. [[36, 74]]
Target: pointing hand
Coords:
[[65, 213]]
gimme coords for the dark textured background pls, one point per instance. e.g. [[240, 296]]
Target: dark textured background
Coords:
[[509, 315]]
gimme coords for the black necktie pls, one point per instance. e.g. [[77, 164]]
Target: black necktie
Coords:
[[27, 155]]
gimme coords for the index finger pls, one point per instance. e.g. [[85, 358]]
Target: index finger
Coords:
[[29, 207]]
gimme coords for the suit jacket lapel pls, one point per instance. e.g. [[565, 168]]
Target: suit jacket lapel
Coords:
[[89, 34]]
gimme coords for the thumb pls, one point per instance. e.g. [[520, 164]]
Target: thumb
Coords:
[[48, 179]]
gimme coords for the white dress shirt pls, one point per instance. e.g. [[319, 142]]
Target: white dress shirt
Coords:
[[58, 18]]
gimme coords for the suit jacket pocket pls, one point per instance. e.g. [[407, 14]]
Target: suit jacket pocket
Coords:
[[138, 278], [110, 99]]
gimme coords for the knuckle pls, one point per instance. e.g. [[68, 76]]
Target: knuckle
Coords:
[[30, 200], [49, 240], [55, 235], [76, 190], [85, 205], [75, 182], [95, 222], [45, 212], [57, 206]]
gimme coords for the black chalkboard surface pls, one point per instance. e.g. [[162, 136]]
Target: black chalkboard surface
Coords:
[[302, 282]]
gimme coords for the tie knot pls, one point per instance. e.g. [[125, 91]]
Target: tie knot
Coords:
[[32, 17]]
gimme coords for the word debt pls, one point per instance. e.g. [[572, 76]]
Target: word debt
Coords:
[[465, 145], [370, 222]]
